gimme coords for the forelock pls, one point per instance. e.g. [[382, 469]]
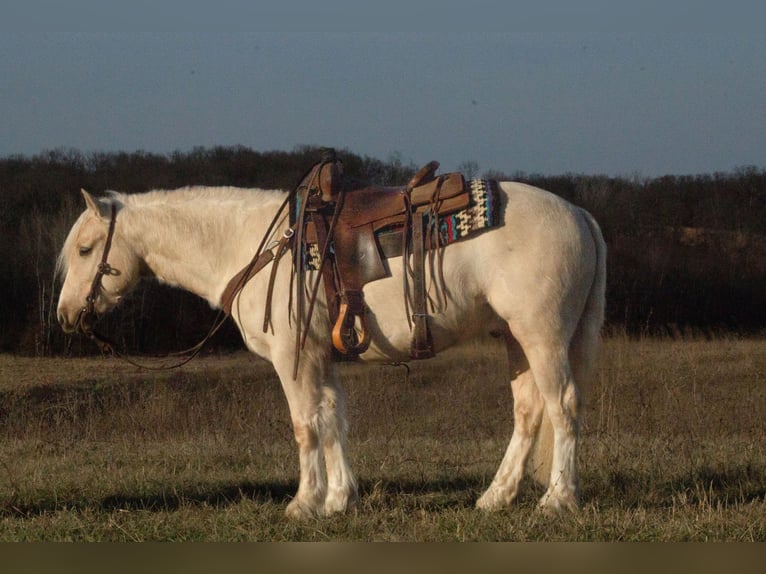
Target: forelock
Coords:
[[62, 262]]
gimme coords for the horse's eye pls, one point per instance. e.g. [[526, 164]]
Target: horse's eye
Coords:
[[85, 251]]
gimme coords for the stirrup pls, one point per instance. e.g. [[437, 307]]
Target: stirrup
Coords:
[[345, 337]]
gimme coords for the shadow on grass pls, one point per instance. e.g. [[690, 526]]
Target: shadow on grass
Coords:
[[166, 500], [705, 486], [429, 495]]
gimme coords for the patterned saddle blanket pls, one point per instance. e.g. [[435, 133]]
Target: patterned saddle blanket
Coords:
[[482, 212]]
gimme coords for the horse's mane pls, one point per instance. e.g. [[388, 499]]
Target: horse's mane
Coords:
[[195, 194]]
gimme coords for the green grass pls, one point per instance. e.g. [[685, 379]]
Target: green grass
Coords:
[[92, 449]]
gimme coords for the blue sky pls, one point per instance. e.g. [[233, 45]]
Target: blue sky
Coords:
[[632, 103]]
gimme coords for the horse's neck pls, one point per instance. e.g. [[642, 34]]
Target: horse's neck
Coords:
[[198, 249]]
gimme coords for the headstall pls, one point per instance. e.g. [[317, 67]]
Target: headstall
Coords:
[[88, 314]]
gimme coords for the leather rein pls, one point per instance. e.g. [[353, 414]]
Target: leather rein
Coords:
[[88, 316]]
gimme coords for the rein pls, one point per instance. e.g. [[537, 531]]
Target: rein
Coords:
[[88, 316], [262, 257]]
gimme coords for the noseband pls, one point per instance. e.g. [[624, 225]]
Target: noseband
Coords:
[[87, 315]]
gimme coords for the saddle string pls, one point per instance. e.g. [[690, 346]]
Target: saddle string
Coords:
[[407, 270], [281, 248], [436, 257], [437, 253], [323, 258], [432, 238], [297, 279], [297, 275], [297, 248]]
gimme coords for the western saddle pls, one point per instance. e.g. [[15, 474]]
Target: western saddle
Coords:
[[345, 230]]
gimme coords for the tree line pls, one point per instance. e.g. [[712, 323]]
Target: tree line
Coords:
[[687, 254]]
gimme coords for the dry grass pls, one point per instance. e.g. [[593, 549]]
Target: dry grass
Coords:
[[673, 449]]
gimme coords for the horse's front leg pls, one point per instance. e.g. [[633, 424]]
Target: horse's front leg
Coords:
[[342, 492], [317, 410], [309, 500], [304, 396]]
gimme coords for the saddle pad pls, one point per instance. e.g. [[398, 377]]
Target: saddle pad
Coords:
[[482, 212]]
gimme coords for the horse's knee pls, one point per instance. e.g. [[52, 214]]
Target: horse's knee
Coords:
[[306, 435], [332, 412], [528, 404]]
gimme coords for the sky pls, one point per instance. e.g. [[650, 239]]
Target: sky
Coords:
[[615, 103]]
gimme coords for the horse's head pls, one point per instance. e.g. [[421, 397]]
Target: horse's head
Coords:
[[97, 264]]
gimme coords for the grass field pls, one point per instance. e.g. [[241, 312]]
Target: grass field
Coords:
[[673, 448]]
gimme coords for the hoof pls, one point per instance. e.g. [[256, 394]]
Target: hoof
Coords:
[[552, 504], [297, 510], [492, 501], [339, 504]]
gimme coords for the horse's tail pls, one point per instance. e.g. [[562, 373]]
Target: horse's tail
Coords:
[[583, 352]]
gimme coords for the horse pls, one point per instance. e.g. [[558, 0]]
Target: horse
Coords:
[[538, 280]]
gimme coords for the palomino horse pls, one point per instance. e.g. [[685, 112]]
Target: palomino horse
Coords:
[[538, 278]]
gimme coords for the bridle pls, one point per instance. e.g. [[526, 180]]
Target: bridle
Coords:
[[88, 315]]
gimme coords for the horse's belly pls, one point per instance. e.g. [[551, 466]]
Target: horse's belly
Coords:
[[392, 334]]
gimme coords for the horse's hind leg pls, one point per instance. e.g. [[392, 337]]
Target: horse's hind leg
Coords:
[[549, 362], [527, 414]]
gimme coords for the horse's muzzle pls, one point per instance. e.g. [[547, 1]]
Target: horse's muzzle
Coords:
[[83, 323], [66, 325]]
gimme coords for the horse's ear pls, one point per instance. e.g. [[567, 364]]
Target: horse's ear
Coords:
[[94, 204]]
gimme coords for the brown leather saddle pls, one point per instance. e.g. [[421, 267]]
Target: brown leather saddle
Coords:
[[346, 230], [353, 227]]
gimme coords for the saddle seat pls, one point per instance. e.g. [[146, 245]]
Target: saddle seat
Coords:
[[384, 206]]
